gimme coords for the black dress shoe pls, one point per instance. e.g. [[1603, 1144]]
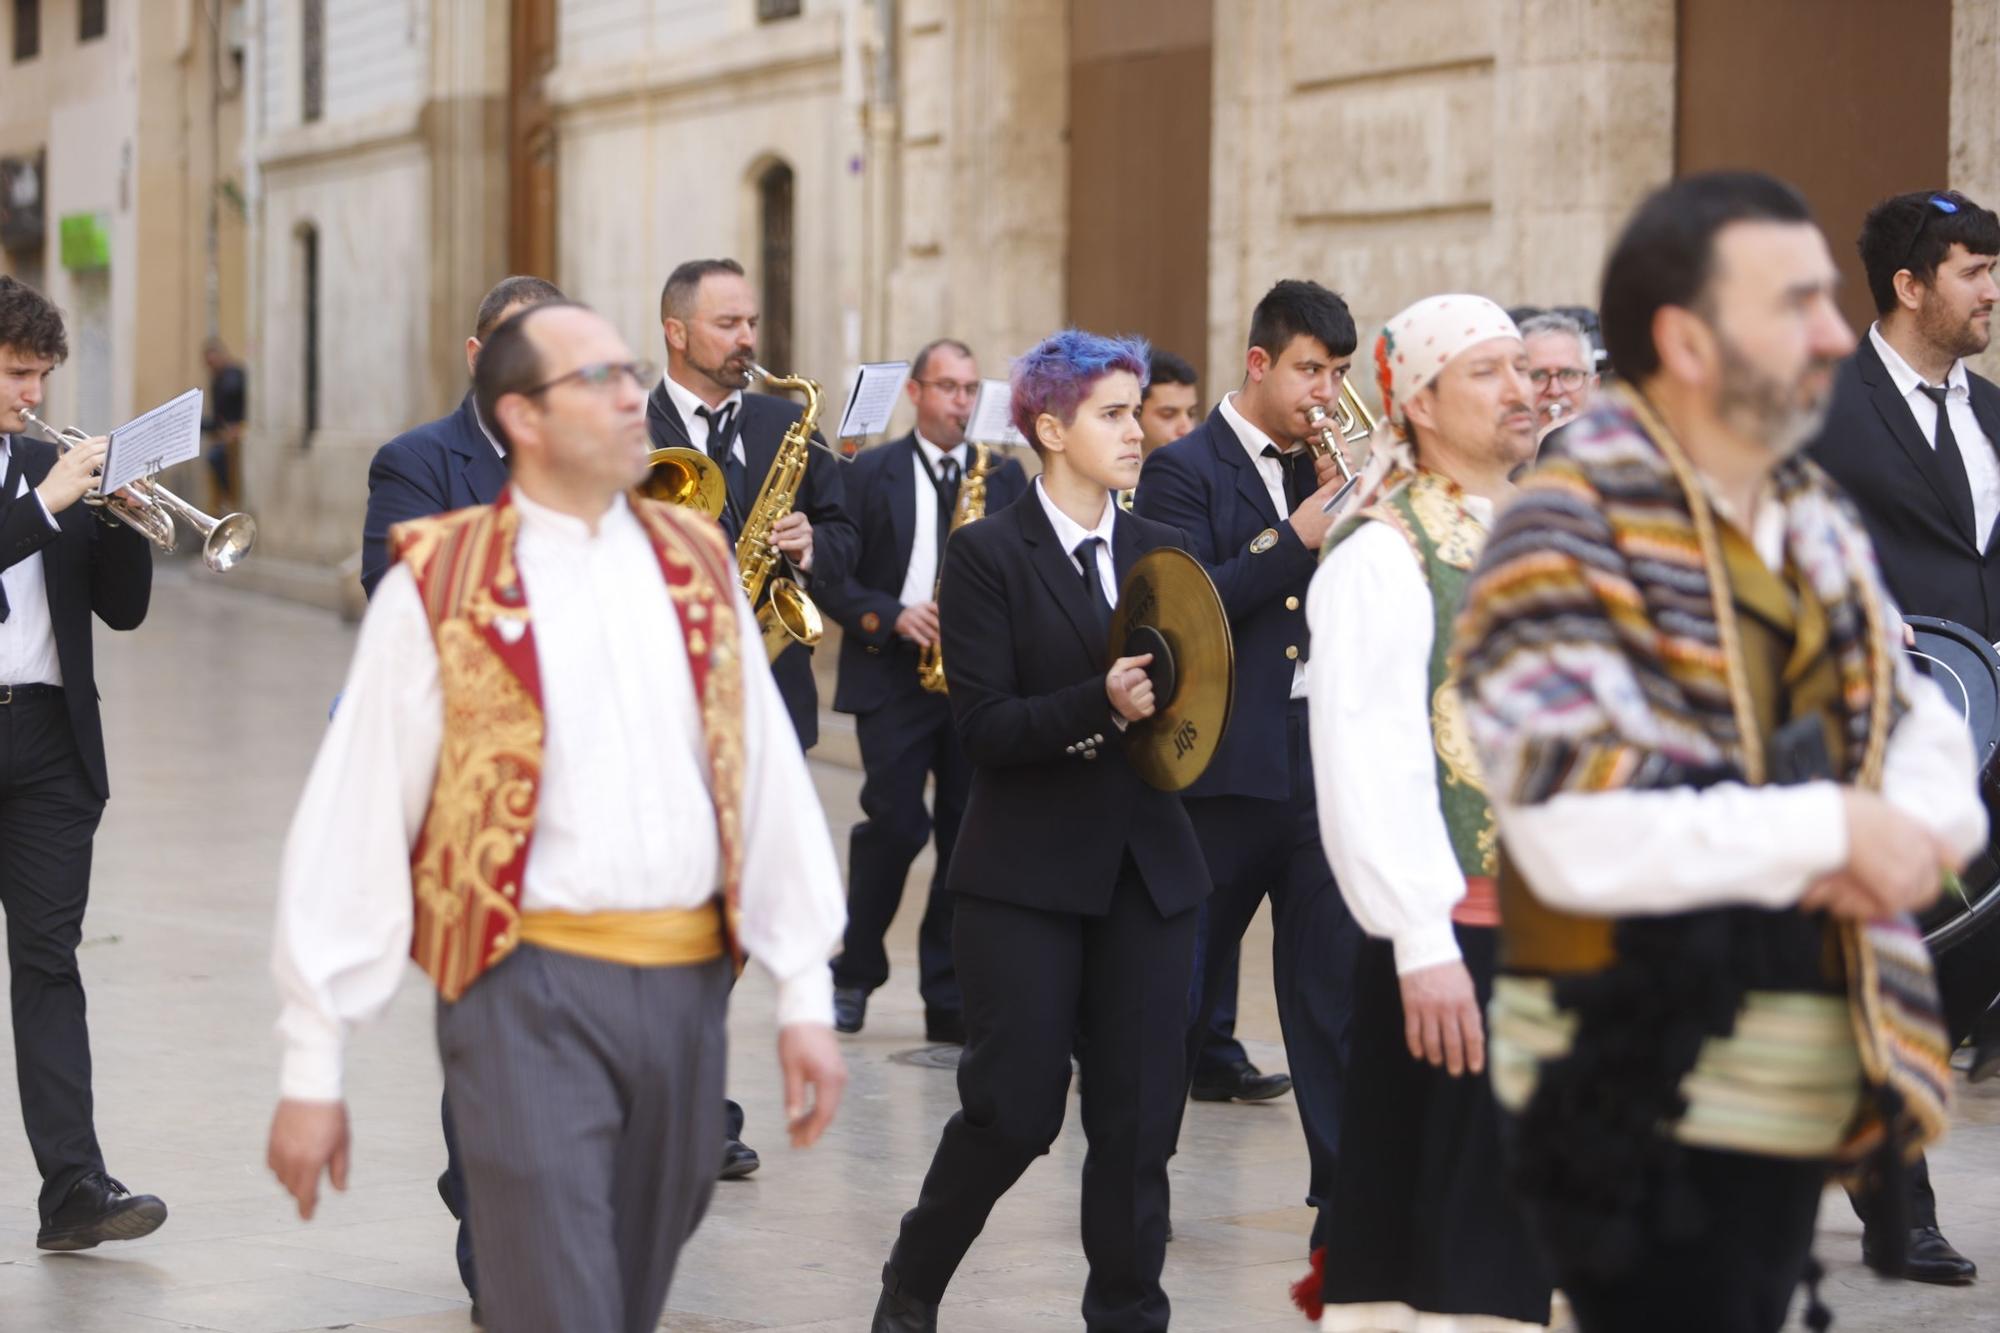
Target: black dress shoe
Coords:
[[98, 1209], [897, 1313], [1986, 1046], [944, 1027], [1242, 1082], [739, 1159], [850, 1008], [1930, 1258]]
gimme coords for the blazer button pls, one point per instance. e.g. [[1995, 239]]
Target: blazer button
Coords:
[[1090, 754], [1291, 603], [1292, 651], [1069, 749], [1098, 739]]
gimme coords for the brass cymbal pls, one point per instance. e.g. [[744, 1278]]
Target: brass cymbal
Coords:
[[1168, 606]]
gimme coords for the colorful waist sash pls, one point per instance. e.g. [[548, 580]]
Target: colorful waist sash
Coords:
[[670, 937]]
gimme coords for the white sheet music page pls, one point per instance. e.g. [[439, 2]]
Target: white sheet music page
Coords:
[[872, 399], [169, 434], [993, 415]]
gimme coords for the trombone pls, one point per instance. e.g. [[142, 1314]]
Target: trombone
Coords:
[[1350, 422], [151, 510]]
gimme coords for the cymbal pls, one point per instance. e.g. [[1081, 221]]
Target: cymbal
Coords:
[[1168, 606]]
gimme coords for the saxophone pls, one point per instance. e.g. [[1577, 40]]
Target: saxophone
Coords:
[[788, 616], [971, 508]]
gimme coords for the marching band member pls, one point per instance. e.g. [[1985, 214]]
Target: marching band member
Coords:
[[1424, 1233], [1076, 883], [570, 676]]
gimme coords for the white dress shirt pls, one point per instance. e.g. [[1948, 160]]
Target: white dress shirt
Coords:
[[1070, 532], [1648, 853], [624, 820], [1381, 816], [687, 404], [1272, 470], [1982, 467], [927, 543], [27, 636]]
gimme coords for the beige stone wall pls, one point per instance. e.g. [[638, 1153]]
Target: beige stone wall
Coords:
[[1975, 111]]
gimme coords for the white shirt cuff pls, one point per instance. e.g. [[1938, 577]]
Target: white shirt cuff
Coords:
[[1426, 945], [807, 997], [311, 1068]]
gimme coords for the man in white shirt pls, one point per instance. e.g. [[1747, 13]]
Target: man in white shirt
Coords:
[[560, 777], [1423, 1229], [904, 496]]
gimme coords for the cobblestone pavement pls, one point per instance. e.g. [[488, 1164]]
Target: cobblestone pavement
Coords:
[[213, 709]]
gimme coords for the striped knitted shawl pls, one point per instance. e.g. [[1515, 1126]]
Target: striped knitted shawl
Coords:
[[1597, 652]]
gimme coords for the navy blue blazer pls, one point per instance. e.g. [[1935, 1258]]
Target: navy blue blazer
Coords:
[[822, 499], [434, 468], [877, 664], [88, 566], [1205, 484]]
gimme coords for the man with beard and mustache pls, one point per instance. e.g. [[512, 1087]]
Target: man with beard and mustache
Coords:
[[1911, 437], [1720, 787]]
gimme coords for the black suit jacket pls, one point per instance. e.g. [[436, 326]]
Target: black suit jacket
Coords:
[[1923, 537], [876, 663], [87, 566], [1055, 805], [763, 422], [434, 468], [1205, 484]]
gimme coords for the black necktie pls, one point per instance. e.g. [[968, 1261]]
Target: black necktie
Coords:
[[1285, 471], [7, 489], [1951, 463], [946, 482], [721, 439], [1093, 583]]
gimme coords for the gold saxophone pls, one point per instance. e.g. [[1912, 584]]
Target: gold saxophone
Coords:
[[788, 616], [971, 508]]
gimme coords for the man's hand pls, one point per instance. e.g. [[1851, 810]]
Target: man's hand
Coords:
[[809, 1055], [793, 536], [306, 1139], [1894, 864], [1441, 1020], [918, 623], [1130, 688], [1326, 470], [1310, 520], [75, 474]]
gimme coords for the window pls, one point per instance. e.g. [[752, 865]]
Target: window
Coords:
[[776, 9], [308, 246], [89, 20], [27, 29], [774, 200], [312, 58]]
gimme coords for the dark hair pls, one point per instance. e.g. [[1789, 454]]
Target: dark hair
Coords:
[[1666, 254], [1908, 231], [30, 322], [510, 363], [922, 365], [1296, 306], [521, 289], [677, 295], [1058, 373], [1166, 368]]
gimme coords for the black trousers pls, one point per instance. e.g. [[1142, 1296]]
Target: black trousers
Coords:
[[1220, 1052], [903, 744], [1738, 1275], [452, 1186], [1033, 981], [1261, 847], [48, 816]]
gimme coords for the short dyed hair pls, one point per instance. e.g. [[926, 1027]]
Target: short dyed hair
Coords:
[[520, 289], [1058, 373], [30, 322], [1297, 306], [1166, 368], [510, 363], [678, 293], [1909, 231]]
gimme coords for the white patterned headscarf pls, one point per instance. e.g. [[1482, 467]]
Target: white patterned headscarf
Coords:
[[1418, 343]]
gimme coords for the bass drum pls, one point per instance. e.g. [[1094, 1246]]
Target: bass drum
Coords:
[[1967, 669]]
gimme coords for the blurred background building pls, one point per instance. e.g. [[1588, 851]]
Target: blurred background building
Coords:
[[330, 185]]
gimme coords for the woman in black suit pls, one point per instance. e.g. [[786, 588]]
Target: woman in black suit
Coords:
[[1076, 882]]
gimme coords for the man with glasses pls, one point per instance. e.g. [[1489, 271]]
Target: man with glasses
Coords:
[[1561, 368], [1911, 438], [573, 677], [903, 495]]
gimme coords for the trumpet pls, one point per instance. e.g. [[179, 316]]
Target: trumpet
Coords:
[[150, 509], [1350, 422]]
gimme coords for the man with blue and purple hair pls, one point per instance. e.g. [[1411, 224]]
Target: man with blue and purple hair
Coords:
[[1076, 883]]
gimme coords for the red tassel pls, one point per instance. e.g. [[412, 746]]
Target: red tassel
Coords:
[[1308, 1291]]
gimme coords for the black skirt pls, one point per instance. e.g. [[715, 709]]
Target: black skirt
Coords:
[[1420, 1212]]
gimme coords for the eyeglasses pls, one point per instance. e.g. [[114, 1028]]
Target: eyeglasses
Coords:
[[602, 374], [1568, 379], [1936, 203], [953, 388]]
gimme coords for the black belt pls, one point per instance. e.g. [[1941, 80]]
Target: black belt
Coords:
[[20, 694]]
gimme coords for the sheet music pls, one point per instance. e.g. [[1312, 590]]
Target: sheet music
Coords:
[[169, 434], [992, 415], [872, 399]]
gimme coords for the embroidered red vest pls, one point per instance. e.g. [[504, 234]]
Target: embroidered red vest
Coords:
[[467, 865]]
